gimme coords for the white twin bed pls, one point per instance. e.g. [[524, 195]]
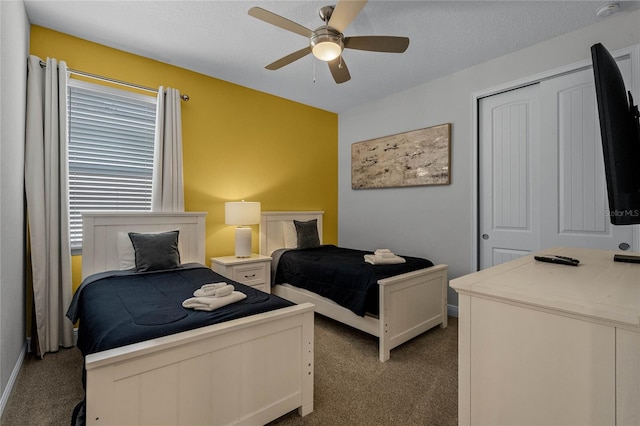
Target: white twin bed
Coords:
[[248, 371], [410, 303]]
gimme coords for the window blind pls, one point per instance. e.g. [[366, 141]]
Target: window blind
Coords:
[[111, 146]]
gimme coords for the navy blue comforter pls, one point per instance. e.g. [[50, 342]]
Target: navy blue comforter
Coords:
[[340, 274], [123, 307]]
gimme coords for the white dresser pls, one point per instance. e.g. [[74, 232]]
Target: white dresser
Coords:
[[543, 344]]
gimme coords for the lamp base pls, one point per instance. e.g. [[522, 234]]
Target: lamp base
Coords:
[[243, 242]]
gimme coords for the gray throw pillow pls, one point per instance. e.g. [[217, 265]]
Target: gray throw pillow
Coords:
[[307, 234], [156, 251]]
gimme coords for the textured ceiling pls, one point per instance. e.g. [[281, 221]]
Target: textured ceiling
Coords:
[[219, 39]]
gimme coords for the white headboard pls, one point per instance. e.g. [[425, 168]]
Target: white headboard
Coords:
[[100, 233], [271, 233]]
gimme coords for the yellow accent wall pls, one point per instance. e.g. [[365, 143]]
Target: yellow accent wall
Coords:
[[238, 143]]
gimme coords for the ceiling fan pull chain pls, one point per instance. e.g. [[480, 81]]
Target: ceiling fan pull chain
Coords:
[[314, 69]]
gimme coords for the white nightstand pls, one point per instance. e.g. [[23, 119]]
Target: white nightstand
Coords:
[[254, 271]]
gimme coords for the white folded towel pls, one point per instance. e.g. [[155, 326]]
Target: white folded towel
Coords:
[[214, 291], [375, 259], [382, 250], [212, 286], [384, 253], [212, 303]]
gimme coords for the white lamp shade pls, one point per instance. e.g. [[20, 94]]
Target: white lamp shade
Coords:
[[242, 213]]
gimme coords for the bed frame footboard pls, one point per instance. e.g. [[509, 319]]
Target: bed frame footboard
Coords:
[[411, 304], [246, 371]]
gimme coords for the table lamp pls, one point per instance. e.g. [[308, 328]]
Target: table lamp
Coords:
[[242, 213]]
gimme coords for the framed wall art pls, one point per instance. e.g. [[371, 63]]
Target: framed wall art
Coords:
[[418, 157]]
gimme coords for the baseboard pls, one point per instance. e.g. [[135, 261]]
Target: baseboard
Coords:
[[452, 311], [12, 379]]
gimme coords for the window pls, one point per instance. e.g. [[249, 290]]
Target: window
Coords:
[[111, 138]]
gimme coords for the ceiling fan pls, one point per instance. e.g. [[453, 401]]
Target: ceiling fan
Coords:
[[327, 41]]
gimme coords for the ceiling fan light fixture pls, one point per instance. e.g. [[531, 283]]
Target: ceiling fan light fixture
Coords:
[[326, 51], [326, 44]]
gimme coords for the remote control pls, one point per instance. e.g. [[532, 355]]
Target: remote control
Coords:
[[570, 259], [626, 258], [560, 260]]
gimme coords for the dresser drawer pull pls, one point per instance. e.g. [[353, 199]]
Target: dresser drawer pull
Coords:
[[250, 276]]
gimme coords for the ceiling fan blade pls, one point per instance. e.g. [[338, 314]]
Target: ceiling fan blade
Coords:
[[339, 70], [286, 60], [344, 13], [279, 21], [389, 44]]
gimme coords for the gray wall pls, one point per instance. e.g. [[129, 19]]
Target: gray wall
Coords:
[[435, 221], [14, 48]]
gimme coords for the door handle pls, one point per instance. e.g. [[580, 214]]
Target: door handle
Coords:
[[485, 236]]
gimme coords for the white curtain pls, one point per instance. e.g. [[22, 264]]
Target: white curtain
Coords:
[[168, 191], [46, 188]]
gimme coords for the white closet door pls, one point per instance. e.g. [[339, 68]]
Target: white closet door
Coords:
[[541, 172], [509, 187], [574, 198]]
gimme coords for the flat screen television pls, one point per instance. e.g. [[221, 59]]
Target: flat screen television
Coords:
[[620, 131]]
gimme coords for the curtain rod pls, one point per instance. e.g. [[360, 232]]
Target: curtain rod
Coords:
[[184, 97]]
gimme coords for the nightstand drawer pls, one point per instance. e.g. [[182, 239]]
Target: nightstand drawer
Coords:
[[249, 274], [254, 271]]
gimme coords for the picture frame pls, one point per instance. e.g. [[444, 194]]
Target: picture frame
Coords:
[[414, 158]]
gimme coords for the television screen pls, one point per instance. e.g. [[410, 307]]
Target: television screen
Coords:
[[620, 131]]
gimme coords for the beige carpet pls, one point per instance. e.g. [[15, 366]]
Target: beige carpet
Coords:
[[417, 386], [46, 390]]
